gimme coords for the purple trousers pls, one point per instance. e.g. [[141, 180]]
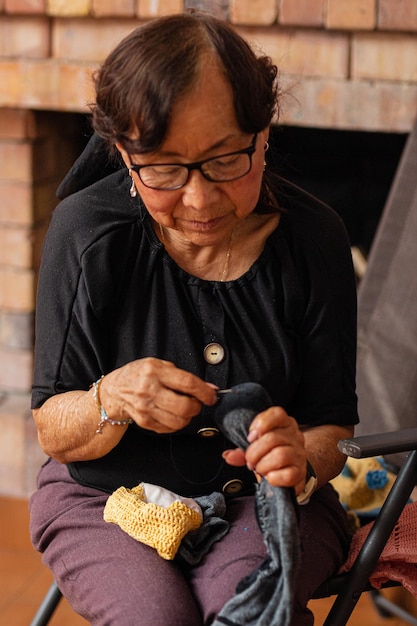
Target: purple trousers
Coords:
[[110, 578]]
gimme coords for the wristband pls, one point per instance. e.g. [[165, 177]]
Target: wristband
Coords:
[[309, 487], [104, 418]]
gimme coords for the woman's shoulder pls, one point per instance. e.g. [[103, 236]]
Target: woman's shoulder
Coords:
[[309, 221], [90, 213]]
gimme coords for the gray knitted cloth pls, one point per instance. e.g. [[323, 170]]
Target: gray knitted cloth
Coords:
[[266, 596]]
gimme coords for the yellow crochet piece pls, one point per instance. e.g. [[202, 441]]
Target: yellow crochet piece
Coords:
[[358, 486], [162, 528]]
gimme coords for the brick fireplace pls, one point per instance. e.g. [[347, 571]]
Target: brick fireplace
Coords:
[[348, 67]]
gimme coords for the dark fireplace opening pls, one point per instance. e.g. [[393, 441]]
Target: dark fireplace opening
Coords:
[[350, 170]]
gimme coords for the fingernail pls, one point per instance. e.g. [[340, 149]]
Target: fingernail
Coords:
[[253, 435]]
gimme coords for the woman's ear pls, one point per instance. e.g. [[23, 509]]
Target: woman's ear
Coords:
[[125, 156], [265, 134]]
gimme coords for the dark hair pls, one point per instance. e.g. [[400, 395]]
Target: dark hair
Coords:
[[142, 79]]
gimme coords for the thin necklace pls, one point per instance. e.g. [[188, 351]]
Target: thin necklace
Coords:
[[226, 262], [227, 259]]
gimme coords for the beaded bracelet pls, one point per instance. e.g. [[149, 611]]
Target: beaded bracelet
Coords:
[[105, 419]]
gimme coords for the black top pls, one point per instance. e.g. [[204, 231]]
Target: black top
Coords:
[[109, 293]]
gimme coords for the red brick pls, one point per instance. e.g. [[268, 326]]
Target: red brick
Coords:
[[48, 85], [253, 12], [218, 8], [16, 203], [149, 8], [304, 52], [89, 39], [20, 454], [385, 56], [357, 105], [12, 449], [351, 14], [10, 84], [16, 247], [17, 124], [16, 330], [16, 161], [25, 6], [397, 15], [16, 290], [106, 8], [301, 12], [15, 373], [72, 8], [76, 87], [22, 204], [24, 37]]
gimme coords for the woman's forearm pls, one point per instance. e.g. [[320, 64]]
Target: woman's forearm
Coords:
[[67, 428], [322, 451], [153, 393]]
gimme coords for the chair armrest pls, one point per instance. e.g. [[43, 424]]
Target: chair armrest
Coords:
[[365, 446]]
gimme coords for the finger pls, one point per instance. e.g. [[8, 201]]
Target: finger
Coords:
[[274, 417], [183, 406], [285, 477], [188, 384], [274, 440], [234, 457], [282, 466], [160, 421], [160, 409]]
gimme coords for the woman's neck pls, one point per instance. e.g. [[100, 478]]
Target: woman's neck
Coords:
[[230, 258]]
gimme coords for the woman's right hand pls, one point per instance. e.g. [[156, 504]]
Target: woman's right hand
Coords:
[[156, 394]]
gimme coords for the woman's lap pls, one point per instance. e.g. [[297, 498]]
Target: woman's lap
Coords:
[[98, 565]]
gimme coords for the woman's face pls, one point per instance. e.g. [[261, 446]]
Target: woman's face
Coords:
[[203, 125]]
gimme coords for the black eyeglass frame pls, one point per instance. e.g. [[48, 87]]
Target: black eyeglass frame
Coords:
[[197, 165]]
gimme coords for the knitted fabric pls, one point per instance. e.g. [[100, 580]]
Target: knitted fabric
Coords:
[[266, 596], [363, 486], [161, 527], [398, 560]]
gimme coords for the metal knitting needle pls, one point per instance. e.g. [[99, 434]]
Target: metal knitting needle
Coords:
[[223, 391]]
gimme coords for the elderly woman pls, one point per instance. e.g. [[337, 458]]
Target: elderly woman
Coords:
[[187, 268]]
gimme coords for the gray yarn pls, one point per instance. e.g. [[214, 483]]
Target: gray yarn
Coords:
[[266, 596]]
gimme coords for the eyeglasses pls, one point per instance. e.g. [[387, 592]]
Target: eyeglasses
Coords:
[[219, 169]]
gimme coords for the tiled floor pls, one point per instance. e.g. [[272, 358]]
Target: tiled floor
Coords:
[[24, 580]]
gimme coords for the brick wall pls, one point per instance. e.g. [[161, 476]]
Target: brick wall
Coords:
[[35, 151], [348, 64]]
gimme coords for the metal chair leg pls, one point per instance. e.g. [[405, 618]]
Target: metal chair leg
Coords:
[[48, 606], [387, 609]]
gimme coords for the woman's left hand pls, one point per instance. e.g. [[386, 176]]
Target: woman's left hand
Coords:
[[276, 451]]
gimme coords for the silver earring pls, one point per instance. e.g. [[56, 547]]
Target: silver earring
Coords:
[[266, 146], [133, 191]]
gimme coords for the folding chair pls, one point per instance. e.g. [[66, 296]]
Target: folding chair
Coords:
[[349, 587]]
